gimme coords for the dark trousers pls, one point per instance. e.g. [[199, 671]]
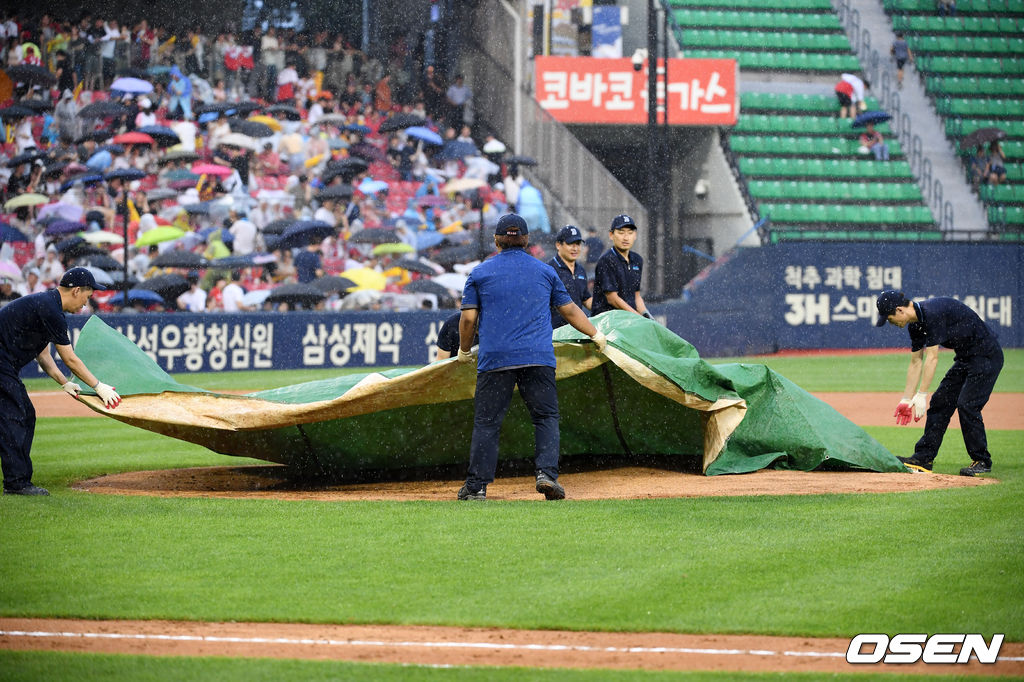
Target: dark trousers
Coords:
[[17, 426], [965, 389], [493, 394]]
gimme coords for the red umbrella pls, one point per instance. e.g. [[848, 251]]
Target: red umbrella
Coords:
[[133, 138], [211, 169]]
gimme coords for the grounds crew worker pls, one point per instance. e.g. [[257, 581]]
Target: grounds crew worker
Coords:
[[509, 296], [27, 327], [568, 244], [966, 386], [618, 272]]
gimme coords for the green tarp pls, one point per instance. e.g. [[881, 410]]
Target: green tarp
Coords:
[[648, 394]]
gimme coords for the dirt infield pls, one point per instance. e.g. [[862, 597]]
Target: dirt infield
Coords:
[[448, 646]]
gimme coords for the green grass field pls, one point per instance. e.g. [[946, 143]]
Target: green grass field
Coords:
[[824, 565]]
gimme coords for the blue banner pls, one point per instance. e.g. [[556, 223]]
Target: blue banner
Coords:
[[606, 32]]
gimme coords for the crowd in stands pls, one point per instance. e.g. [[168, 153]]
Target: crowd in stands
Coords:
[[222, 168]]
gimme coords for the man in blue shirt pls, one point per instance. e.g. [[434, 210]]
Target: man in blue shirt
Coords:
[[27, 327], [619, 271], [965, 388], [568, 245], [509, 296]]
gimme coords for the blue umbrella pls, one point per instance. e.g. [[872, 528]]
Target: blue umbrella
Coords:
[[126, 174], [136, 295], [426, 240], [425, 134], [112, 148], [225, 235], [99, 161], [870, 117], [301, 232], [164, 136], [233, 262], [10, 234], [357, 128], [85, 179], [372, 186], [135, 86], [455, 150], [63, 227], [208, 116]]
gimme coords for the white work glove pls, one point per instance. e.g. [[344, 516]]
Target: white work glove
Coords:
[[919, 405], [465, 356], [600, 340], [71, 388], [107, 394]]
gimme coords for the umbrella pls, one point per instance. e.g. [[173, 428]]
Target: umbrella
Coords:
[[494, 147], [251, 127], [369, 186], [413, 265], [134, 137], [425, 134], [164, 136], [399, 121], [982, 136], [30, 73], [277, 226], [255, 299], [869, 117], [358, 128], [426, 240], [112, 148], [427, 286], [14, 111], [102, 237], [99, 161], [11, 270], [178, 155], [233, 262], [126, 174], [104, 109], [136, 296], [338, 143], [164, 233], [161, 193], [291, 113], [374, 235], [94, 135], [240, 140], [366, 278], [268, 121], [366, 151], [247, 107], [521, 160], [55, 169], [37, 106], [135, 86], [169, 286], [300, 233], [455, 150], [25, 157], [307, 294], [215, 107], [330, 284], [84, 178], [9, 234], [211, 169], [451, 280], [333, 119], [98, 260], [463, 184], [69, 243], [27, 199], [176, 258], [456, 254], [101, 276], [117, 274], [392, 247], [336, 192]]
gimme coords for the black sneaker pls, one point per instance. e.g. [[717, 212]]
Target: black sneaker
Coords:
[[915, 464], [27, 490], [976, 468], [466, 494], [549, 487]]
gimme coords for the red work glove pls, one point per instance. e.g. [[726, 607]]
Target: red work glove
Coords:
[[903, 412]]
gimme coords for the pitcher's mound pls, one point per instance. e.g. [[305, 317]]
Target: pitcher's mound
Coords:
[[633, 482]]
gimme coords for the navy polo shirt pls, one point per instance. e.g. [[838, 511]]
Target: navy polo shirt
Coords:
[[306, 265], [514, 292], [614, 273], [948, 322], [575, 282], [27, 325]]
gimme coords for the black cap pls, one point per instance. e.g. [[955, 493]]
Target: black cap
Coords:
[[79, 277], [887, 303], [570, 234], [621, 221], [512, 225]]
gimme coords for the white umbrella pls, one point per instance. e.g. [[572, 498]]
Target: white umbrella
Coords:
[[102, 237], [101, 276], [237, 140], [494, 147], [451, 280], [256, 298]]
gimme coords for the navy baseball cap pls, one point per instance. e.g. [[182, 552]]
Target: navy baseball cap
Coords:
[[512, 225], [79, 277], [570, 234], [887, 303], [621, 221]]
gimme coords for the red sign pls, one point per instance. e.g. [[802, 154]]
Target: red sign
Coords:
[[700, 92]]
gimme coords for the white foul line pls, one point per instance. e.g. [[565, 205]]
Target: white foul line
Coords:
[[432, 645]]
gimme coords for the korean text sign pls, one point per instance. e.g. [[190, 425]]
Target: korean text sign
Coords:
[[590, 90]]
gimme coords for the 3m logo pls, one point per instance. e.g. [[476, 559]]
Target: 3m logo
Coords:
[[911, 648]]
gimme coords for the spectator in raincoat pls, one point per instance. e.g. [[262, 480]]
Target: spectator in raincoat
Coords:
[[530, 205], [181, 94]]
